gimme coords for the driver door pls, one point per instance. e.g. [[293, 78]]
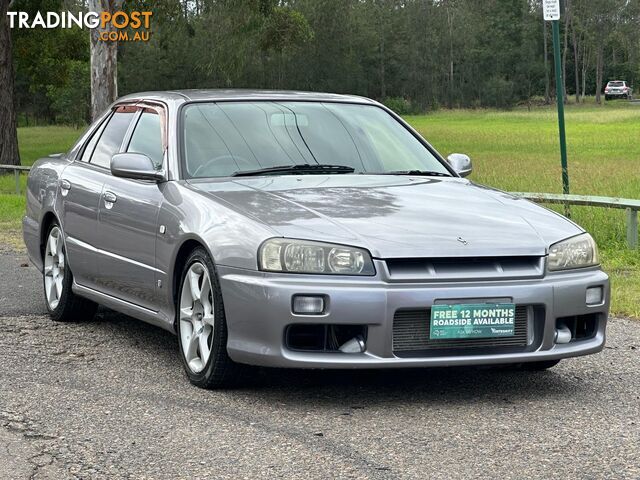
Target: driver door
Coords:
[[128, 223]]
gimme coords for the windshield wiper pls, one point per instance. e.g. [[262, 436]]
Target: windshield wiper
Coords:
[[424, 173], [296, 169]]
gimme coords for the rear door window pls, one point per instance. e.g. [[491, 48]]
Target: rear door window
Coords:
[[112, 137]]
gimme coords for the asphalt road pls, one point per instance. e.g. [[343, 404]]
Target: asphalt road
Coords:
[[108, 399]]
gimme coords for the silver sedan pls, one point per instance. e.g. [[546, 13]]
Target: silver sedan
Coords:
[[305, 230]]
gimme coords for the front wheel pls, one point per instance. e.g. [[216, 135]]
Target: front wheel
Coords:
[[202, 326], [63, 305]]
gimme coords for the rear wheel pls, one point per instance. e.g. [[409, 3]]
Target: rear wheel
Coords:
[[202, 327], [63, 305]]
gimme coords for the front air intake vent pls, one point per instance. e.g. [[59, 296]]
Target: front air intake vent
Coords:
[[411, 335]]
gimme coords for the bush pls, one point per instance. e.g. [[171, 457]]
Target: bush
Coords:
[[400, 105], [499, 92]]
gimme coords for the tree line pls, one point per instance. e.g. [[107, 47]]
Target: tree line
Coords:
[[415, 55]]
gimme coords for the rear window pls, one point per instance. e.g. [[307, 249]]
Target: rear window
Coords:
[[616, 84]]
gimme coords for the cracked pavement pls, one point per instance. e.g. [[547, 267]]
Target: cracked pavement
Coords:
[[107, 398]]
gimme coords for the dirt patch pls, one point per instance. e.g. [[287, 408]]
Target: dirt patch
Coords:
[[11, 241]]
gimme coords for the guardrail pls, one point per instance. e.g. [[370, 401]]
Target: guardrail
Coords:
[[631, 206], [17, 169]]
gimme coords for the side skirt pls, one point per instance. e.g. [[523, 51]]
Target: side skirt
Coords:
[[158, 319]]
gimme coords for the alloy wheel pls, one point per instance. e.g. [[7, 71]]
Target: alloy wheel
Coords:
[[54, 268], [197, 317]]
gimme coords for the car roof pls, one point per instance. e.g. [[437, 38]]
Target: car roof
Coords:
[[243, 95]]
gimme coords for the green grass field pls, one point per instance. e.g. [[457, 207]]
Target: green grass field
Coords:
[[37, 142], [513, 151]]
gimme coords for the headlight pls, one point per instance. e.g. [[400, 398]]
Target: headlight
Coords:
[[576, 252], [305, 256]]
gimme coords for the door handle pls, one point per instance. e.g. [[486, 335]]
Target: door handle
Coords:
[[65, 184], [109, 197]]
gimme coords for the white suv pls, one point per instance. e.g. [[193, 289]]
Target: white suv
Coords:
[[617, 89]]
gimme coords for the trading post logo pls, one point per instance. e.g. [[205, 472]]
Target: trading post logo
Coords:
[[112, 27]]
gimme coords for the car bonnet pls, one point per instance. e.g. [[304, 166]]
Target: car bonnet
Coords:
[[396, 216]]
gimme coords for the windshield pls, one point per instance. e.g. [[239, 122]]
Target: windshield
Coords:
[[222, 139], [616, 84]]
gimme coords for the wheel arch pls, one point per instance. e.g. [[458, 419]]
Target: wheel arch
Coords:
[[48, 218], [187, 246]]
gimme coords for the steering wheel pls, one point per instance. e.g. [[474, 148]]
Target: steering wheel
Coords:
[[225, 164]]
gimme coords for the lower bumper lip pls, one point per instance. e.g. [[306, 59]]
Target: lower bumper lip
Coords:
[[367, 360]]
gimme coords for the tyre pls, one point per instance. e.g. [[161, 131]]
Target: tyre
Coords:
[[606, 98], [202, 326], [537, 366], [63, 305]]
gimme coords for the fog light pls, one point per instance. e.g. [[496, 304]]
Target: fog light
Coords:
[[355, 345], [594, 295], [563, 334], [306, 305]]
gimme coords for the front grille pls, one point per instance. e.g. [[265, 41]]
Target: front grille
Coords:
[[464, 268], [411, 333]]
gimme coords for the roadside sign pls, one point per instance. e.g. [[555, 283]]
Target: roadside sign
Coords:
[[551, 9]]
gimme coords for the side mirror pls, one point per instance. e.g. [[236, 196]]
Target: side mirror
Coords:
[[136, 166], [461, 163]]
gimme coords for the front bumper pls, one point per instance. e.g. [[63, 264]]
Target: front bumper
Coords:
[[258, 311]]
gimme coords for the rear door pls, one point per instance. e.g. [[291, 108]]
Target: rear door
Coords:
[[129, 217], [81, 187]]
